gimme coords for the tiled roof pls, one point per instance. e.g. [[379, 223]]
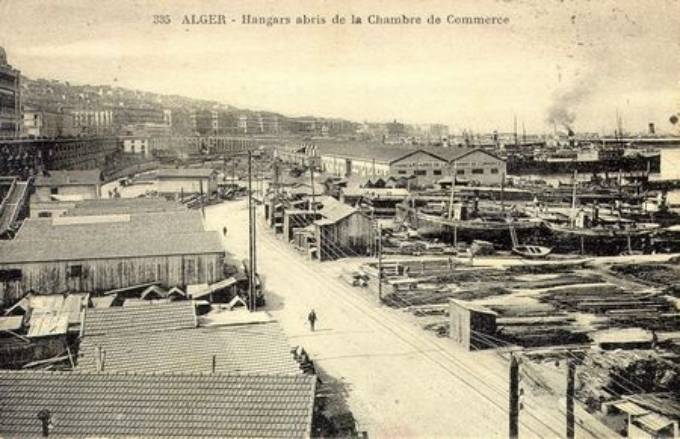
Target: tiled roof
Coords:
[[246, 349], [185, 173], [127, 405], [61, 178], [107, 247], [136, 223], [118, 320]]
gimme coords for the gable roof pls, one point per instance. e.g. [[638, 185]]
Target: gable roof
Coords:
[[108, 405], [244, 349], [117, 320], [118, 245], [456, 153], [65, 178], [333, 210]]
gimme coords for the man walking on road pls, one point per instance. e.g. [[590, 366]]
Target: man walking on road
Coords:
[[312, 319]]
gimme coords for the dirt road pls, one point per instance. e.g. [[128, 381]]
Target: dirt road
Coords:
[[402, 381]]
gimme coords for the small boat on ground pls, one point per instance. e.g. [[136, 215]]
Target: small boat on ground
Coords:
[[527, 251], [604, 231], [532, 251]]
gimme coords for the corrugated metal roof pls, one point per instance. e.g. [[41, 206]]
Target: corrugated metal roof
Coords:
[[139, 320], [247, 349], [118, 245], [178, 405]]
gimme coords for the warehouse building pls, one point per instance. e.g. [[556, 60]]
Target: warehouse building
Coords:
[[422, 166], [68, 185], [187, 181], [112, 258]]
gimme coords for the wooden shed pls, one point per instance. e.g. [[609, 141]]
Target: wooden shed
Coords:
[[104, 262], [64, 185], [342, 231], [470, 324]]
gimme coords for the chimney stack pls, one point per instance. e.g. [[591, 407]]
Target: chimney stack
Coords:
[[652, 129], [572, 141]]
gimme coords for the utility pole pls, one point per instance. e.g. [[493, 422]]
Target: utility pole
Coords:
[[503, 192], [251, 236], [200, 183], [380, 262], [453, 186], [515, 125], [571, 372], [513, 431], [233, 170], [311, 178]]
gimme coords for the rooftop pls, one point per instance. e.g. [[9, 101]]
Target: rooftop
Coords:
[[364, 150], [108, 246], [185, 173], [119, 206], [140, 320], [454, 153], [333, 210], [107, 405], [245, 349], [139, 223], [63, 178]]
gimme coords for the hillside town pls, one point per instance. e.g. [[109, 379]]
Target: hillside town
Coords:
[[179, 267]]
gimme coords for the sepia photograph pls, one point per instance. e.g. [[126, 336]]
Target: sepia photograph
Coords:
[[340, 219]]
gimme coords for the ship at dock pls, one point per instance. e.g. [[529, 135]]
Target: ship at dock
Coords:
[[603, 158]]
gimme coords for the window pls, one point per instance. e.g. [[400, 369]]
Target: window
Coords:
[[437, 172], [44, 214], [12, 274], [54, 190], [460, 172], [401, 171], [478, 171], [494, 170], [74, 270], [420, 172]]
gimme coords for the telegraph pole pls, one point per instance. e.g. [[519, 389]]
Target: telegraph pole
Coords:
[[513, 432], [571, 372], [251, 236], [311, 177], [380, 262], [453, 186]]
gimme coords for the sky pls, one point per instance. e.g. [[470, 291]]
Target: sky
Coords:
[[573, 63]]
